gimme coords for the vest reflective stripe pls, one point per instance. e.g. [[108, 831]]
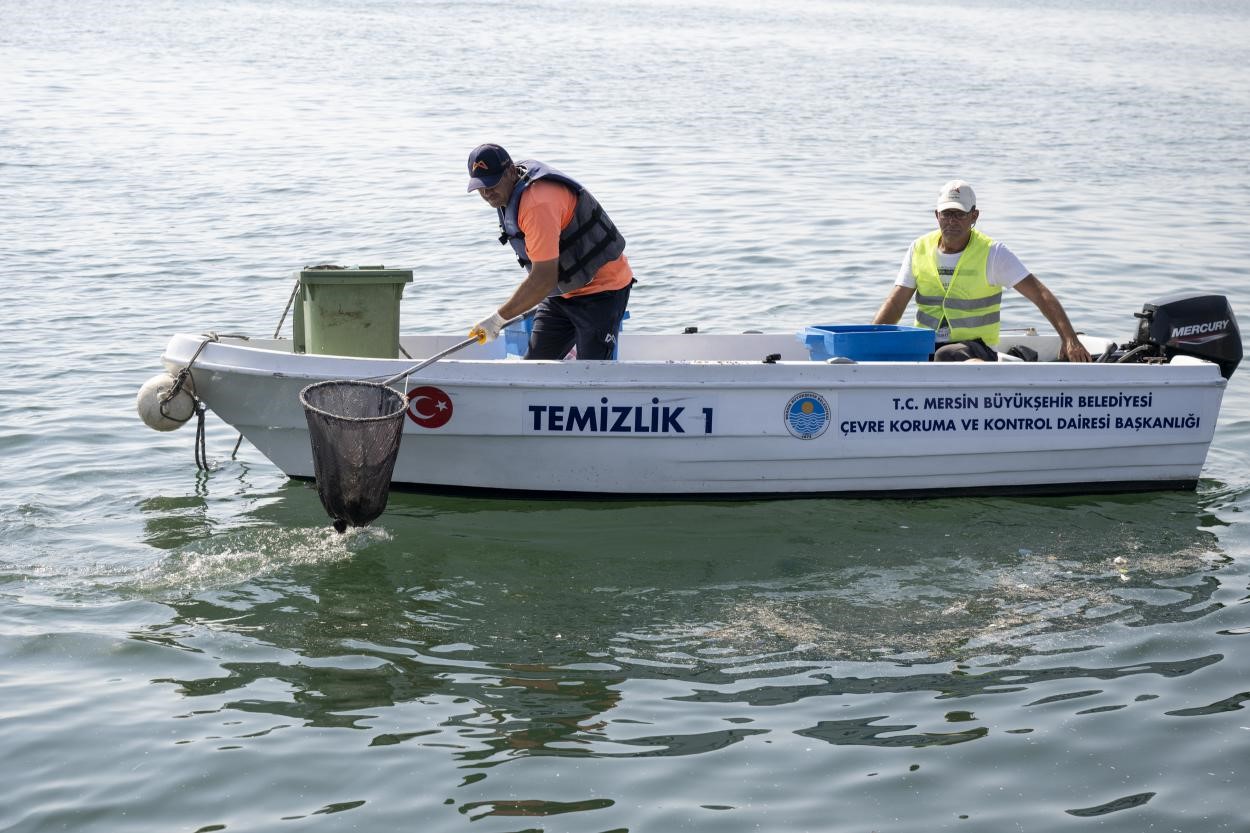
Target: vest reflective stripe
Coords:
[[925, 320], [588, 243], [955, 303], [971, 306]]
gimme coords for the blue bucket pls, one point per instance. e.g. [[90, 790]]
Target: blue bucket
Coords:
[[517, 336], [868, 342]]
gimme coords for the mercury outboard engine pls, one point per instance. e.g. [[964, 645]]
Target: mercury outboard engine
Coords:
[[1186, 324]]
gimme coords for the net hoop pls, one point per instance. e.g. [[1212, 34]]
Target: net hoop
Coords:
[[318, 387]]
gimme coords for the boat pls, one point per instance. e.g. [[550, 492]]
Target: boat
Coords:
[[763, 415]]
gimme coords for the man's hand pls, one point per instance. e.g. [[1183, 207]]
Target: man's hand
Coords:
[[488, 328], [1073, 351]]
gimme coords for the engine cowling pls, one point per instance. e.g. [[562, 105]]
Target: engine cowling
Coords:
[[1192, 324]]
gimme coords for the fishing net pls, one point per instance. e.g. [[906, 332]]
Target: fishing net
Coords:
[[355, 429]]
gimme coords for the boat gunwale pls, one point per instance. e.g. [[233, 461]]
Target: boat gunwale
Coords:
[[1147, 375]]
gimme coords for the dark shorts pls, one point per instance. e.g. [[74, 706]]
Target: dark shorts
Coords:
[[590, 323], [961, 351]]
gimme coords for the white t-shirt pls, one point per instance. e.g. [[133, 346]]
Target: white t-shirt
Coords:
[[1002, 269]]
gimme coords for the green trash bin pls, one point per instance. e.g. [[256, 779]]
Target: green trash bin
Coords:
[[349, 312]]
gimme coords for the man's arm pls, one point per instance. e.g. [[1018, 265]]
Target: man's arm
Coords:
[[540, 283], [895, 303], [539, 218], [1042, 298]]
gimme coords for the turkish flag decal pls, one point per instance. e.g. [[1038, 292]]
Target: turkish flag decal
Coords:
[[429, 407]]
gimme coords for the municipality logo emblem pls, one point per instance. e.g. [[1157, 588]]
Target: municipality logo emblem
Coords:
[[807, 415]]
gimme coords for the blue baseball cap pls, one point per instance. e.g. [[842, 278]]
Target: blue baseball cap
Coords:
[[487, 164]]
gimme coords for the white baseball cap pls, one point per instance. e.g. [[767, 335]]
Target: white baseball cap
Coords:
[[956, 194]]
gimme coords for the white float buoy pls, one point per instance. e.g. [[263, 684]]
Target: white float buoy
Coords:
[[159, 414]]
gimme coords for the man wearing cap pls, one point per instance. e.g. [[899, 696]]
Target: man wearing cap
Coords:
[[578, 277], [957, 275]]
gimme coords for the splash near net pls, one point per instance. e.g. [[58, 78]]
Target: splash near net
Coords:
[[355, 429]]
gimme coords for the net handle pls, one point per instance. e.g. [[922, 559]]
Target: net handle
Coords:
[[452, 349]]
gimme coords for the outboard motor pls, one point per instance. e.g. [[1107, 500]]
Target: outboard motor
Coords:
[[1187, 324]]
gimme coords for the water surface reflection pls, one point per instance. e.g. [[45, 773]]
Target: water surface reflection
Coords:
[[534, 617]]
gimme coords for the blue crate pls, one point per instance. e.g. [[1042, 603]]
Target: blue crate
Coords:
[[868, 342]]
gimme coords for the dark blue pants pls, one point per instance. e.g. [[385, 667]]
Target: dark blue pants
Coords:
[[590, 323]]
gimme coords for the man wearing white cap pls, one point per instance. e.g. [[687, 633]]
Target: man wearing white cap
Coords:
[[957, 275]]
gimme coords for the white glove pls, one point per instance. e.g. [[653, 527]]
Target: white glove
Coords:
[[488, 329]]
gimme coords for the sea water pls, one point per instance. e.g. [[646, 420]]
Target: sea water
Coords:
[[198, 651]]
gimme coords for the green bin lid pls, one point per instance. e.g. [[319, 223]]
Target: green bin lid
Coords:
[[348, 276]]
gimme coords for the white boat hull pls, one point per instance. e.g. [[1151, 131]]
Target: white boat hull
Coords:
[[671, 419]]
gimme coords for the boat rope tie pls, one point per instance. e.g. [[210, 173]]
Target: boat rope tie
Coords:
[[198, 406]]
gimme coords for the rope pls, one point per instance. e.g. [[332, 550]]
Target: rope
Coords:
[[201, 450], [174, 390], [289, 302], [198, 408]]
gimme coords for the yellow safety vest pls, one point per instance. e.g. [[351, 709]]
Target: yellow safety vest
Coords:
[[970, 305]]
